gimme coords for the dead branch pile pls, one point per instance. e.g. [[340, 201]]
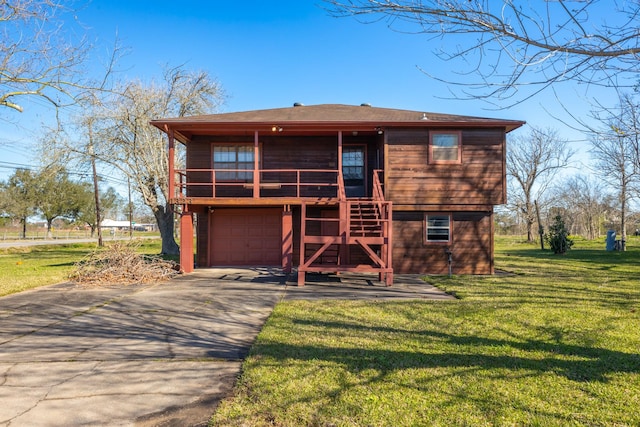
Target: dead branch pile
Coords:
[[121, 264]]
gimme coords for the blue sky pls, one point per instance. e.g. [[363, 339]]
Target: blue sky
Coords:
[[270, 54]]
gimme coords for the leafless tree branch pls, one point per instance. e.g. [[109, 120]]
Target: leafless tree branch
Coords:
[[538, 43], [40, 57]]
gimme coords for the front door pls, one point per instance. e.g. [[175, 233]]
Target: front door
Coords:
[[354, 170]]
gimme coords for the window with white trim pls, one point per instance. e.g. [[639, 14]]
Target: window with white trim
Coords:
[[236, 158], [437, 228], [445, 147]]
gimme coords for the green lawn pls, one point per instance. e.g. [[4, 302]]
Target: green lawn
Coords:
[[30, 267], [555, 342]]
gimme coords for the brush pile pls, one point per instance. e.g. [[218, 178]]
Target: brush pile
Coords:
[[121, 264]]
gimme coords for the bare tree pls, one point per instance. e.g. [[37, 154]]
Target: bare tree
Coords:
[[615, 141], [533, 161], [37, 57], [539, 43], [585, 202], [138, 150]]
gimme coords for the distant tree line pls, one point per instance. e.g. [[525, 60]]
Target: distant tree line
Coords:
[[601, 197], [50, 194]]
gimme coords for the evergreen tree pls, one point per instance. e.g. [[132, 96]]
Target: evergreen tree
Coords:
[[558, 236]]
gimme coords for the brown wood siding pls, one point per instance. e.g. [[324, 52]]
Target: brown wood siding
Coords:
[[471, 245], [478, 180], [314, 152], [414, 185]]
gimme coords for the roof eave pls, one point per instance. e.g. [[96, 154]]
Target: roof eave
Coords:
[[180, 126]]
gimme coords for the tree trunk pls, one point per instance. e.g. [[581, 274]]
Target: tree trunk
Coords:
[[623, 222], [164, 218], [49, 234], [24, 227]]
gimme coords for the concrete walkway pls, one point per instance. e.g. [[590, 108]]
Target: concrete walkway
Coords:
[[161, 355]]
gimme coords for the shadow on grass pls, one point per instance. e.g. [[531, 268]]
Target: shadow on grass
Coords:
[[62, 264], [575, 362]]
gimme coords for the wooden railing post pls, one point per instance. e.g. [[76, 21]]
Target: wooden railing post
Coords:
[[256, 165], [213, 183]]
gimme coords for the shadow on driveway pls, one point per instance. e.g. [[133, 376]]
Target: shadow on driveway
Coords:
[[148, 354]]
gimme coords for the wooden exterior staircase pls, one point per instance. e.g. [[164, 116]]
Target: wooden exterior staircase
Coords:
[[363, 222]]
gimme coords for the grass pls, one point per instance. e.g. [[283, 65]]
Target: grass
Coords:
[[553, 343], [31, 267]]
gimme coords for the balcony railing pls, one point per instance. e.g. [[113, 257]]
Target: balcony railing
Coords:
[[243, 183]]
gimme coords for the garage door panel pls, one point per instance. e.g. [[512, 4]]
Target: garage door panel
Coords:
[[255, 221], [246, 237], [255, 244]]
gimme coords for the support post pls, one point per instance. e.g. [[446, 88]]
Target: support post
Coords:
[[344, 233], [389, 260], [186, 240], [172, 172], [287, 239], [340, 150], [303, 231]]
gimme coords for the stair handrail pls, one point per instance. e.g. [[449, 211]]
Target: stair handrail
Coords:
[[382, 205], [378, 193], [342, 194]]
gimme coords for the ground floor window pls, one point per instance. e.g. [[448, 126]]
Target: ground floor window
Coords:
[[437, 228]]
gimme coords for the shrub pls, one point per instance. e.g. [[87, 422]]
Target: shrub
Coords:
[[558, 236]]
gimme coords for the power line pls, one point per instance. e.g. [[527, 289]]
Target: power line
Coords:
[[105, 178], [11, 165]]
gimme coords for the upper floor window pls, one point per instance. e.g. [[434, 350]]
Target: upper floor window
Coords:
[[438, 228], [445, 147], [236, 158]]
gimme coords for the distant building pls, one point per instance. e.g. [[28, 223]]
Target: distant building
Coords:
[[115, 225]]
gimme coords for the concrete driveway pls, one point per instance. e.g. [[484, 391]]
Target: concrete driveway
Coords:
[[160, 355]]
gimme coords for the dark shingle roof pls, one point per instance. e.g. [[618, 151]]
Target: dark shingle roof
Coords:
[[327, 116]]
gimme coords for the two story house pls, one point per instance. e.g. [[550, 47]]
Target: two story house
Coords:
[[331, 188]]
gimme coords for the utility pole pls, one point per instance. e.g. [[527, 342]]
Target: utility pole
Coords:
[[130, 210], [96, 192]]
